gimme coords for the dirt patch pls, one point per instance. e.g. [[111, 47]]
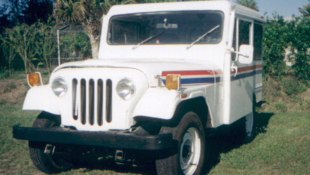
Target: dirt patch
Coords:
[[12, 91]]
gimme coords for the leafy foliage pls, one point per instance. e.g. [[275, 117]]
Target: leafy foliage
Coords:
[[300, 41], [279, 35], [45, 45], [274, 45], [292, 87], [77, 44], [305, 11], [248, 3], [14, 12], [87, 13]]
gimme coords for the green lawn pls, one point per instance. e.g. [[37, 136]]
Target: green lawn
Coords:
[[282, 146]]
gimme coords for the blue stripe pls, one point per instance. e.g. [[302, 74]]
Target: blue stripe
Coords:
[[244, 75], [199, 80], [209, 80]]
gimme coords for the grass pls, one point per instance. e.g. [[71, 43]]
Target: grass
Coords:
[[280, 147]]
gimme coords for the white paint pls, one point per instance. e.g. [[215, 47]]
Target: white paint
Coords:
[[143, 64]]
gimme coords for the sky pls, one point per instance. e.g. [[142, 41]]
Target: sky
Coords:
[[285, 8]]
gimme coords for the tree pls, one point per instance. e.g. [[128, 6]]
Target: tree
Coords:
[[300, 43], [44, 44], [87, 13], [23, 43], [274, 45], [248, 3], [305, 11], [14, 12], [37, 10], [76, 44], [8, 50]]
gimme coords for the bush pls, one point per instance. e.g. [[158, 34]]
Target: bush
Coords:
[[280, 35], [4, 74], [2, 101], [282, 107], [291, 86]]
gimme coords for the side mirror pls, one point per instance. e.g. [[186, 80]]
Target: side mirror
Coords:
[[245, 54]]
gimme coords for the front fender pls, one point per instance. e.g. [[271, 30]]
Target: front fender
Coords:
[[157, 103], [41, 98]]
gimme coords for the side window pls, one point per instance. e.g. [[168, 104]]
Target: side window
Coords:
[[258, 41], [233, 55], [244, 33]]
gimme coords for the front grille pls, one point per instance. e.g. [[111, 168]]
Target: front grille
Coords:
[[92, 101]]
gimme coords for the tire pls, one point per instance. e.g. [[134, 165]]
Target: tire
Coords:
[[188, 158], [47, 163], [249, 125]]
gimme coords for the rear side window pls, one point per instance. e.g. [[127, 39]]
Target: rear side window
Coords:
[[258, 41]]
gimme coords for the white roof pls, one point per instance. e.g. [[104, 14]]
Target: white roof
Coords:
[[222, 5]]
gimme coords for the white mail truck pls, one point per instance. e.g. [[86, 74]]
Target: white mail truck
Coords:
[[167, 74]]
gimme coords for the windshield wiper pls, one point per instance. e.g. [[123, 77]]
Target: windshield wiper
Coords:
[[202, 36], [147, 39]]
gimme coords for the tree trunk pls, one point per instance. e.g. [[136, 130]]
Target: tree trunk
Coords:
[[94, 45]]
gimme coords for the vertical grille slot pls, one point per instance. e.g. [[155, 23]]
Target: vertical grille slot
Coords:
[[91, 99], [83, 101], [109, 101], [100, 102], [74, 102]]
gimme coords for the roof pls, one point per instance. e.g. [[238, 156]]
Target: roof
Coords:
[[223, 5]]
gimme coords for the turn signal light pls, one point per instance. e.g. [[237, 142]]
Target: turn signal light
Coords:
[[34, 79], [173, 81]]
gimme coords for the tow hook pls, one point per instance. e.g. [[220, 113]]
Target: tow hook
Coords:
[[49, 149], [119, 156]]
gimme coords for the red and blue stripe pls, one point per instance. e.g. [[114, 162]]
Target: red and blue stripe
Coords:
[[200, 77]]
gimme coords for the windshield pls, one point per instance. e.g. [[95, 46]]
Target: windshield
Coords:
[[166, 28]]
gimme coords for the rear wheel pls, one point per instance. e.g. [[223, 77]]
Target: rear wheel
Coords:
[[46, 157], [249, 128], [249, 125], [189, 156]]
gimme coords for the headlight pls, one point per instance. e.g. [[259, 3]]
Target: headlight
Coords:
[[59, 87], [125, 89]]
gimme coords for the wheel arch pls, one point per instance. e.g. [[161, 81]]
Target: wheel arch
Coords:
[[197, 105], [50, 116]]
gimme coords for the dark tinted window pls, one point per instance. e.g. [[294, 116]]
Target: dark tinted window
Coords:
[[258, 41], [244, 32]]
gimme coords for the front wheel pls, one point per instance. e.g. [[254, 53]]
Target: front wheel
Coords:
[[46, 157], [189, 157]]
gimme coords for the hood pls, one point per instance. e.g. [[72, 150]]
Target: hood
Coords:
[[150, 67]]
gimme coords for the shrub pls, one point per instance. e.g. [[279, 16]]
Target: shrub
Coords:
[[281, 107], [4, 74], [2, 101], [11, 85], [291, 86]]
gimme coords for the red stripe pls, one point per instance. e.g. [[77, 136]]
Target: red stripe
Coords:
[[192, 72], [258, 66], [244, 69]]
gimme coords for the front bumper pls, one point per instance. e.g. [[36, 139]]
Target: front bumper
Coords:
[[111, 139]]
